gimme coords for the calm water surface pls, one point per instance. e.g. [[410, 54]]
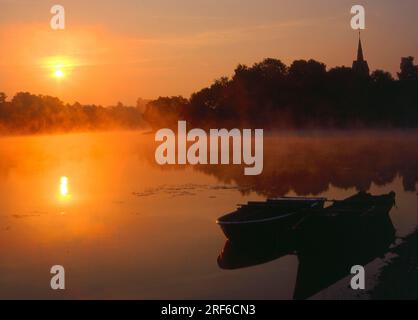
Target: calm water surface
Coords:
[[128, 228]]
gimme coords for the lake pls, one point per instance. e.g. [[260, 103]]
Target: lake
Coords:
[[125, 227]]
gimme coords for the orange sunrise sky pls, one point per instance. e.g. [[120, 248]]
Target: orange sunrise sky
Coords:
[[120, 50]]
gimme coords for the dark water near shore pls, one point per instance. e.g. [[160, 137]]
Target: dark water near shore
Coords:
[[131, 229]]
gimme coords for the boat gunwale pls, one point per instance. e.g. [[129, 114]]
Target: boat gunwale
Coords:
[[263, 220], [297, 199]]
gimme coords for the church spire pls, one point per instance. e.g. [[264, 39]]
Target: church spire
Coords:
[[360, 56], [360, 66]]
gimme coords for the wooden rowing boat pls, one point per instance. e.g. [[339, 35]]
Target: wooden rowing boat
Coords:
[[266, 220]]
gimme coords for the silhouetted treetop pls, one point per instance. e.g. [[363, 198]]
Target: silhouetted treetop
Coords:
[[305, 94], [409, 71], [307, 71]]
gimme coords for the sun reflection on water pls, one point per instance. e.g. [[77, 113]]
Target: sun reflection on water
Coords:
[[63, 189]]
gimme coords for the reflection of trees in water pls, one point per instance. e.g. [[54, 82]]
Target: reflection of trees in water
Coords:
[[307, 165]]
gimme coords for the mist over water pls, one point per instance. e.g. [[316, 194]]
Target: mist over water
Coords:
[[129, 228]]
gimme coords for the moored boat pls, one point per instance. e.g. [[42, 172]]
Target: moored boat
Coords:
[[270, 219], [351, 232], [344, 219]]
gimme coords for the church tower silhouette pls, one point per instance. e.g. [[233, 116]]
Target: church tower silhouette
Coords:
[[360, 66]]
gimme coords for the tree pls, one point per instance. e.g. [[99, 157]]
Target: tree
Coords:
[[268, 69], [141, 104], [165, 111], [306, 71], [271, 68], [409, 71], [3, 97], [381, 77]]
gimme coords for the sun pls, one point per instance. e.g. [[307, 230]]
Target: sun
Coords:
[[59, 67], [59, 73]]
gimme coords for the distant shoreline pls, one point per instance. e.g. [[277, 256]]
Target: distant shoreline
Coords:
[[268, 132]]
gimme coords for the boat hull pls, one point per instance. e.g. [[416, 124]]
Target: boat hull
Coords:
[[264, 230], [269, 221]]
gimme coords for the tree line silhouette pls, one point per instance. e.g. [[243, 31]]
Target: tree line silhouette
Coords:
[[26, 113], [271, 94]]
